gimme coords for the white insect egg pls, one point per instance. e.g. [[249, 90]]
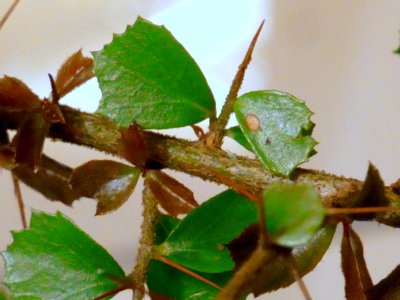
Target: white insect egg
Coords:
[[252, 122]]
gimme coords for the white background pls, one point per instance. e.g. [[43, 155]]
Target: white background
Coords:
[[335, 55]]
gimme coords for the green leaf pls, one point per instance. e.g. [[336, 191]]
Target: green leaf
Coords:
[[54, 259], [110, 182], [276, 274], [397, 51], [146, 76], [172, 283], [278, 127], [4, 293], [236, 134], [198, 242], [165, 224], [293, 213]]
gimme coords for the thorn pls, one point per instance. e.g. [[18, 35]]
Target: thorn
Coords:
[[186, 271], [55, 97]]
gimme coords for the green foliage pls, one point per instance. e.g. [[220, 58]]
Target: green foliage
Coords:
[[278, 127], [165, 224], [293, 213], [276, 274], [146, 76], [236, 134], [172, 283], [54, 259], [198, 242]]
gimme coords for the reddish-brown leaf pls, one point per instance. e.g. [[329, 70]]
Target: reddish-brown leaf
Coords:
[[29, 140], [7, 157], [354, 268], [132, 146], [51, 112], [51, 180], [16, 96], [172, 195], [109, 182], [388, 288], [372, 194], [76, 70]]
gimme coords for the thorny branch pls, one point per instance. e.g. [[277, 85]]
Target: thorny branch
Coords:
[[196, 159]]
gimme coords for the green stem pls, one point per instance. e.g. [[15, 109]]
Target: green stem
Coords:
[[196, 159], [150, 215]]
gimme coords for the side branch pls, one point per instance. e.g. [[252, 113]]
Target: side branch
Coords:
[[196, 159]]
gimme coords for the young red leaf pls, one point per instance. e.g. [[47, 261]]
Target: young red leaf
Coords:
[[16, 96], [51, 180], [132, 146], [109, 182], [373, 193], [172, 195], [355, 271], [7, 157], [29, 140], [76, 70], [388, 288]]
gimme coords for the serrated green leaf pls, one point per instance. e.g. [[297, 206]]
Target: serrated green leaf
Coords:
[[54, 259], [198, 242], [146, 76], [293, 213], [278, 127], [172, 283], [397, 51], [276, 273], [236, 134]]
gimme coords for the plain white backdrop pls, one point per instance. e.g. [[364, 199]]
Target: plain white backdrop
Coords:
[[335, 55]]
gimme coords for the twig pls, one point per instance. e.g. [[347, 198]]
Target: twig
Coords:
[[296, 276], [186, 271], [112, 292], [362, 210], [150, 215], [8, 13], [216, 128], [18, 196], [242, 277], [196, 159]]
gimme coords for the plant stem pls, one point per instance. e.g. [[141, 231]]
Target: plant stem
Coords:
[[20, 200], [186, 271], [241, 279], [150, 215], [8, 13], [193, 158], [217, 126]]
